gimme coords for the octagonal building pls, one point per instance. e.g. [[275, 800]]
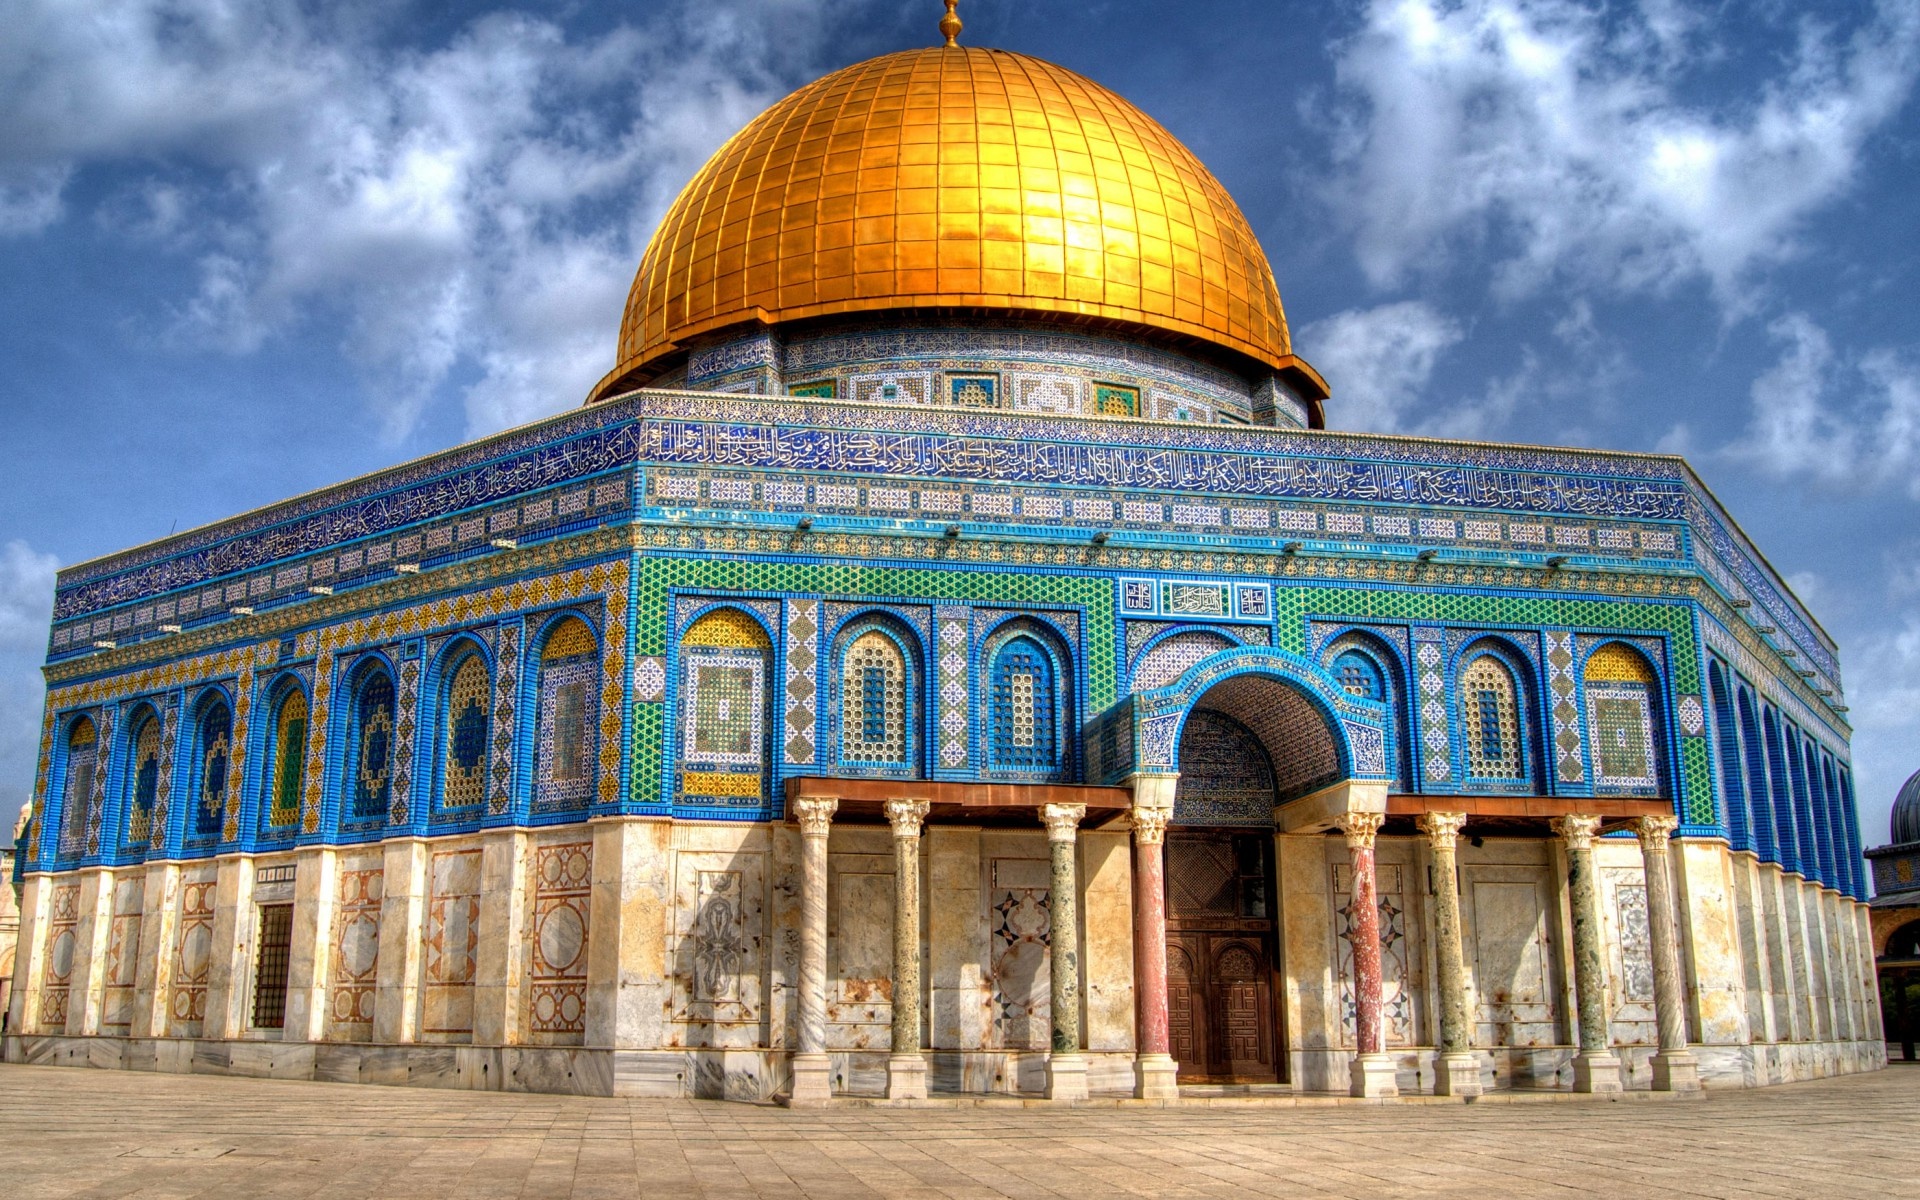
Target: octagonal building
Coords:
[[948, 654]]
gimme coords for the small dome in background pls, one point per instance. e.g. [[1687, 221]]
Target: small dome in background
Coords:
[[1906, 812]]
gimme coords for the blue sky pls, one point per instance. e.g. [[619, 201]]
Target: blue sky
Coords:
[[254, 248]]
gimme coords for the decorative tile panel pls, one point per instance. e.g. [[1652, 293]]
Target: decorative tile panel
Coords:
[[1565, 708], [951, 646], [803, 680]]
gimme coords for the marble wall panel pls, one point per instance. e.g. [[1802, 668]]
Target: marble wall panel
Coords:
[[1624, 918], [1019, 940], [355, 960], [1402, 970], [63, 918], [860, 940], [193, 959], [719, 938], [123, 953], [452, 938], [557, 973], [957, 939], [1510, 927]]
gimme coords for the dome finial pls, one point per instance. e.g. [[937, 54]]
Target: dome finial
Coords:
[[950, 24]]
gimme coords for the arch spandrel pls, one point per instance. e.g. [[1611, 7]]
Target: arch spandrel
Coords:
[[1357, 727]]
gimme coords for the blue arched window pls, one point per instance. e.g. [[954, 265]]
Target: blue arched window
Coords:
[[876, 710], [1759, 785], [76, 789], [369, 782], [212, 760], [1726, 740], [286, 765], [1788, 847], [143, 784], [466, 702], [1023, 717], [565, 770], [1363, 666], [1490, 714]]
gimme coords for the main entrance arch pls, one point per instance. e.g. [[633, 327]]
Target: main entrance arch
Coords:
[[1247, 742]]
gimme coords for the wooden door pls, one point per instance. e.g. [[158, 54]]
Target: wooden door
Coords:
[[1224, 1026]]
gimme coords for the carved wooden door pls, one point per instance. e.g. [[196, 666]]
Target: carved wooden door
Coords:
[[1220, 988]]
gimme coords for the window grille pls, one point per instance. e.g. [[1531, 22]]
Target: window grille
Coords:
[[468, 699], [216, 755], [146, 781], [289, 760], [1359, 676], [873, 724], [372, 759], [1021, 724], [271, 965], [1492, 722]]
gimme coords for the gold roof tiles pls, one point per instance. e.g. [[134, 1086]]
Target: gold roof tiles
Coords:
[[954, 176]]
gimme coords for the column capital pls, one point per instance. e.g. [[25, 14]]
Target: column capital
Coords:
[[907, 816], [1443, 828], [1150, 823], [1577, 830], [1062, 820], [1653, 832], [815, 813], [1361, 828]]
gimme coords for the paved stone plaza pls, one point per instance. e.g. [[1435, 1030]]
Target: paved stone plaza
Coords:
[[100, 1133]]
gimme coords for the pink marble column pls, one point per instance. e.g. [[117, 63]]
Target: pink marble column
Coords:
[[1372, 1072], [1154, 1069]]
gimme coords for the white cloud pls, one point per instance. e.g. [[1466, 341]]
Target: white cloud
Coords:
[[1837, 422], [468, 211], [1574, 141], [1379, 361], [26, 609], [1883, 692]]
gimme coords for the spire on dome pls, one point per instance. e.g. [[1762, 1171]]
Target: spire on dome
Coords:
[[950, 24]]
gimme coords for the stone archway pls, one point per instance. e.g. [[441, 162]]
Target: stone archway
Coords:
[[1248, 742]]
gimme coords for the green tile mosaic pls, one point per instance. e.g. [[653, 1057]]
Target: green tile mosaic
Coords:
[[1294, 605], [656, 574]]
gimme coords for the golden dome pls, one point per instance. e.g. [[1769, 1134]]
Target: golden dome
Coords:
[[955, 177]]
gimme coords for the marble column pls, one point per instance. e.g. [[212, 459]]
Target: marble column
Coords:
[[1595, 1068], [812, 1075], [1371, 1072], [1066, 1066], [1457, 1073], [1154, 1069], [1675, 1069], [906, 1066]]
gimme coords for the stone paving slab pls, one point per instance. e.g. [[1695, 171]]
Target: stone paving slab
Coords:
[[75, 1132]]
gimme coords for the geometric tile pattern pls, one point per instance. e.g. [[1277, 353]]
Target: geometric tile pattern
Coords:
[[951, 621], [802, 682], [1565, 708], [237, 767], [1690, 715], [163, 793], [400, 765], [506, 699], [562, 881], [1431, 687], [96, 793]]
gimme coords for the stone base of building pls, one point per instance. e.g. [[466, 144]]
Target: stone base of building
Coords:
[[759, 1075], [1551, 1068]]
